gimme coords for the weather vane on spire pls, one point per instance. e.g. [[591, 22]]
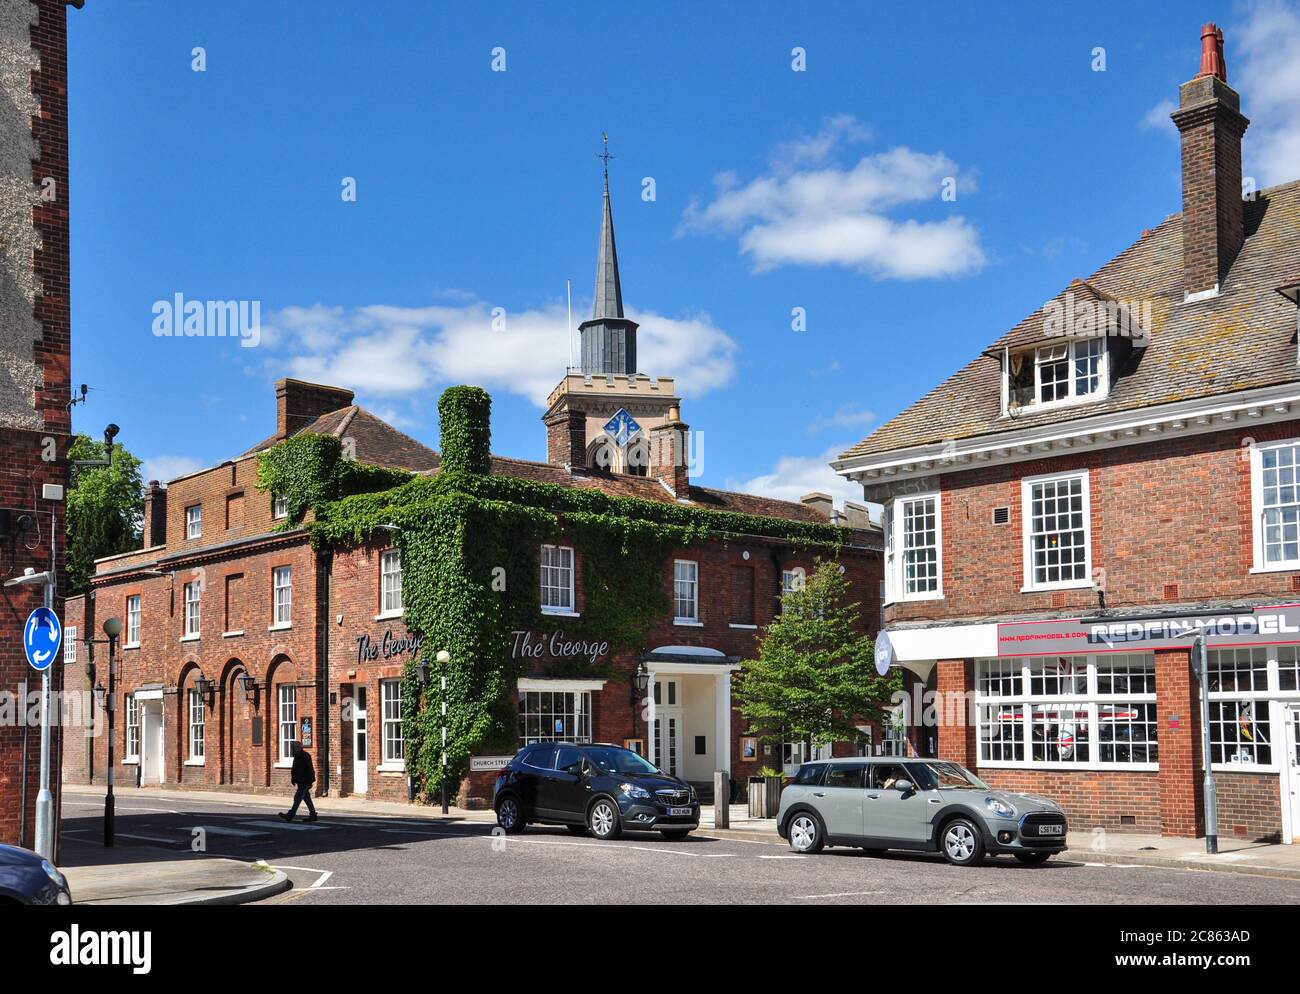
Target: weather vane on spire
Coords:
[[605, 155]]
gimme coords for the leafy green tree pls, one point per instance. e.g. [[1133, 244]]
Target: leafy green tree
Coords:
[[815, 677], [105, 509]]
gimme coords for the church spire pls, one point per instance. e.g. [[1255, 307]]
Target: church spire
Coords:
[[608, 339], [609, 292]]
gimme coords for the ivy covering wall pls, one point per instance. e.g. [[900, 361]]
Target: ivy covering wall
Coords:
[[469, 544]]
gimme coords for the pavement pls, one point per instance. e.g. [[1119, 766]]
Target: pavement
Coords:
[[379, 852]]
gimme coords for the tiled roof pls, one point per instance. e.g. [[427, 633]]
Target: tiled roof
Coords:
[[1242, 339], [377, 442], [649, 488]]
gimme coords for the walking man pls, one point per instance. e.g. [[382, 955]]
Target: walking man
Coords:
[[302, 776]]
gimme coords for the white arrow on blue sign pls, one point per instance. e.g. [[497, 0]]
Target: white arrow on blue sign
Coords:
[[41, 638]]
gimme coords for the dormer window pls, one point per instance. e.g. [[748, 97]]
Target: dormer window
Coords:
[[1066, 372]]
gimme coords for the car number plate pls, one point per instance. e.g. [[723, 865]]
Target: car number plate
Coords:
[[678, 811], [1051, 829]]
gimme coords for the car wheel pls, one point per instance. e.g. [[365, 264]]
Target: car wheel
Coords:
[[577, 829], [510, 816], [961, 842], [1033, 858], [602, 819], [675, 834], [805, 831]]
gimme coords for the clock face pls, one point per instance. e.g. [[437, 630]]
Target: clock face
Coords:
[[622, 427]]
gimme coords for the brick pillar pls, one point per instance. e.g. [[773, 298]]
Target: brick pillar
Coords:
[[1178, 715], [955, 686]]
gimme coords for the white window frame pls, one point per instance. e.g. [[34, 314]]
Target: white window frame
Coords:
[[279, 507], [568, 573], [895, 550], [390, 584], [131, 750], [195, 602], [197, 728], [1027, 485], [1072, 397], [286, 699], [1090, 701], [281, 608], [390, 693], [792, 580], [194, 521], [693, 580], [132, 639], [579, 713], [70, 644], [1272, 699], [1257, 508]]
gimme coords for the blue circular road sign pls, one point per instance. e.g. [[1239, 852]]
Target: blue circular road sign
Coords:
[[41, 637]]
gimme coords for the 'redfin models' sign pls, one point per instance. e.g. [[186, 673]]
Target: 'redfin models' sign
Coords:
[[1262, 626]]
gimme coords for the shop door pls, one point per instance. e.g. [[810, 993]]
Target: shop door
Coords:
[[151, 742], [360, 751], [1292, 785]]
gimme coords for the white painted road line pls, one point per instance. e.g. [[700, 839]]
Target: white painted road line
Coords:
[[611, 845], [292, 826], [146, 838], [847, 893], [243, 833]]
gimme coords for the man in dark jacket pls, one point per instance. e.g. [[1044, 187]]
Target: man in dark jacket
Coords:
[[302, 776]]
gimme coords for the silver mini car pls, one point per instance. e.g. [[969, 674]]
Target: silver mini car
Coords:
[[880, 803]]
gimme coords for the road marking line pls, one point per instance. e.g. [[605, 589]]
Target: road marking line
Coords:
[[847, 893], [615, 845], [244, 833], [290, 825], [146, 838]]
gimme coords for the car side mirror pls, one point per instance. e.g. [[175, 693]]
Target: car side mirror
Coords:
[[904, 786]]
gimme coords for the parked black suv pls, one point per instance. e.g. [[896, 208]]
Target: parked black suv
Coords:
[[596, 788]]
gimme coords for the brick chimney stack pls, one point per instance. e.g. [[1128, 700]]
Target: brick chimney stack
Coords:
[[566, 438], [1210, 121], [668, 453], [155, 515], [298, 404]]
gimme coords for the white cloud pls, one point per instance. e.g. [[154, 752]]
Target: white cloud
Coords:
[[394, 351], [166, 468], [809, 213], [1269, 81], [846, 416], [1157, 118], [795, 476]]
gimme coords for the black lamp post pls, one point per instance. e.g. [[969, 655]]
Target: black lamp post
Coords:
[[640, 681], [112, 628]]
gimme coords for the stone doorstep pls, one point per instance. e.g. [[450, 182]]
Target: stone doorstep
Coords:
[[201, 880]]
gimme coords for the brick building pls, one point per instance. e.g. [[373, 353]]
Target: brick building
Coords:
[[1113, 475], [240, 638], [34, 363]]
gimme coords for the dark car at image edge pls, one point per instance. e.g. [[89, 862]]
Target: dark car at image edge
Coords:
[[26, 878], [595, 788]]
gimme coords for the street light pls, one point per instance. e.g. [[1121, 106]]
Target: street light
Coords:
[[640, 681], [44, 797], [444, 657], [248, 683], [112, 628]]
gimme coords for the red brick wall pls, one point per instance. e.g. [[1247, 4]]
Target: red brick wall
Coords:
[[1249, 806], [1176, 511], [23, 470], [1091, 799]]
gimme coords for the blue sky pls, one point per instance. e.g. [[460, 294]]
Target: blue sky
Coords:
[[479, 189]]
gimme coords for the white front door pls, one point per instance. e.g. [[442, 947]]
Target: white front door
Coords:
[[667, 737], [360, 743], [151, 742], [1291, 785]]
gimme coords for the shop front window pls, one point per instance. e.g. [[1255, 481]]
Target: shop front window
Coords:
[[554, 716]]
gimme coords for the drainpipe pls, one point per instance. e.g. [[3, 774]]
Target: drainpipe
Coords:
[[324, 566]]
